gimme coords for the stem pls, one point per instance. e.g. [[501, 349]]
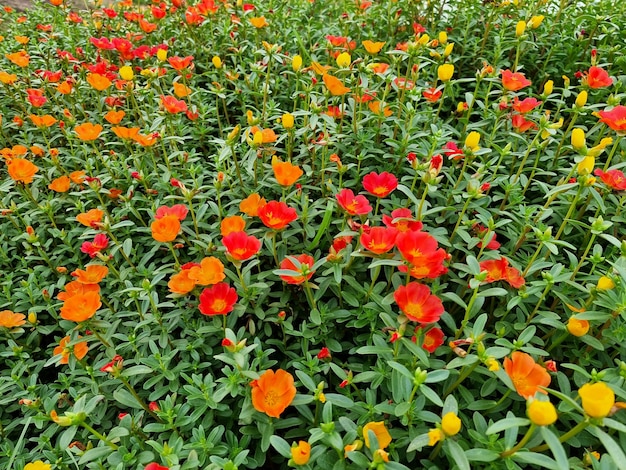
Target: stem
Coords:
[[467, 314], [569, 213], [99, 436], [571, 433], [138, 398], [458, 222], [584, 256], [521, 443]]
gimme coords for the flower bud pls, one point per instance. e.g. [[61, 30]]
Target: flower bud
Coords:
[[585, 167], [448, 50], [126, 73], [578, 139], [344, 60], [604, 283], [232, 135], [217, 62], [296, 63], [450, 424], [597, 399], [577, 327], [535, 21], [548, 87], [541, 413], [443, 37], [162, 55], [520, 28], [445, 72], [581, 99], [287, 120], [472, 140]]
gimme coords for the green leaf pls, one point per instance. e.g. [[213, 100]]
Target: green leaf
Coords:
[[507, 423], [556, 447], [94, 454], [456, 452], [612, 447], [418, 443], [281, 445], [407, 192], [339, 400], [481, 455], [400, 368], [431, 395], [136, 370], [535, 459], [126, 399]]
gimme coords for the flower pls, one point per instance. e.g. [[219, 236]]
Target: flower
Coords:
[[581, 99], [166, 228], [324, 353], [304, 269], [180, 63], [79, 350], [42, 121], [402, 220], [218, 299], [92, 274], [91, 218], [60, 184], [88, 131], [433, 339], [172, 105], [37, 465], [74, 288], [277, 215], [499, 270], [252, 204], [445, 72], [578, 138], [100, 242], [233, 223], [155, 466], [287, 121], [379, 239], [344, 60], [514, 81], [81, 307], [471, 141], [432, 94], [380, 185], [178, 210], [301, 453], [541, 413], [356, 445], [9, 320], [273, 392], [372, 47], [353, 205], [450, 424], [526, 105], [98, 82], [612, 178], [521, 124], [434, 436], [241, 246], [586, 165], [597, 77], [380, 431], [615, 118], [22, 170], [334, 85], [20, 58], [421, 251], [181, 283], [605, 283], [209, 271], [114, 366], [259, 22], [577, 327], [285, 173], [527, 376], [418, 304], [597, 399]]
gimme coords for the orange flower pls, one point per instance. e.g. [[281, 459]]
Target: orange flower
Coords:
[[334, 85], [267, 135], [98, 82], [81, 307], [259, 22], [79, 350], [74, 288], [418, 304], [527, 376], [172, 105], [88, 131], [64, 88], [375, 107], [22, 170], [60, 184], [7, 78], [273, 392], [241, 246], [125, 132], [77, 177], [210, 271], [285, 173], [180, 63], [181, 90], [234, 223], [114, 117], [91, 218], [42, 121], [597, 77], [514, 81], [319, 68], [166, 228], [22, 39], [252, 204], [379, 239], [9, 320], [499, 270], [20, 58], [92, 274], [373, 47]]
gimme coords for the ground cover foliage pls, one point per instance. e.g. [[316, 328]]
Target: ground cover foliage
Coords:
[[383, 234]]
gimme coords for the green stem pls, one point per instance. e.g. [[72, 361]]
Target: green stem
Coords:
[[99, 436], [565, 437], [520, 444]]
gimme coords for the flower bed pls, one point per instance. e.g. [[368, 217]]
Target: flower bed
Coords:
[[313, 234]]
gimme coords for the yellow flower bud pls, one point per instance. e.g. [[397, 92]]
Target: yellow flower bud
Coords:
[[296, 63], [162, 55], [578, 139], [344, 60], [443, 37], [541, 413], [448, 50], [126, 73], [566, 81], [535, 21], [217, 62], [258, 138], [597, 399], [577, 327], [581, 99], [445, 72], [450, 424], [604, 283], [232, 135], [423, 39], [585, 167], [434, 436], [520, 28], [301, 453], [472, 140], [287, 120], [548, 87], [32, 318]]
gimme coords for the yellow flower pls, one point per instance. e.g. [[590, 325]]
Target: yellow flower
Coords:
[[548, 87], [472, 140], [605, 283], [597, 398], [344, 60], [541, 413], [162, 55], [296, 63], [581, 99], [37, 465], [492, 364], [450, 424], [287, 120], [577, 327], [217, 62], [598, 149], [578, 139], [443, 37], [434, 436], [585, 167], [356, 445], [258, 138], [380, 456], [382, 435], [520, 27], [301, 453], [445, 72], [126, 72], [448, 50], [535, 21], [373, 47]]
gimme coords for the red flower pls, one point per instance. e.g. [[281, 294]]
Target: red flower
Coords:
[[172, 105], [241, 246], [421, 251], [514, 81], [521, 124], [180, 63], [615, 118], [218, 299], [324, 354], [432, 94], [433, 339], [277, 215], [613, 178], [597, 77], [379, 239], [418, 304], [402, 220], [36, 97], [304, 270], [114, 365], [380, 185], [100, 242], [179, 210], [499, 270], [492, 243], [155, 466], [526, 105], [453, 151], [353, 205]]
